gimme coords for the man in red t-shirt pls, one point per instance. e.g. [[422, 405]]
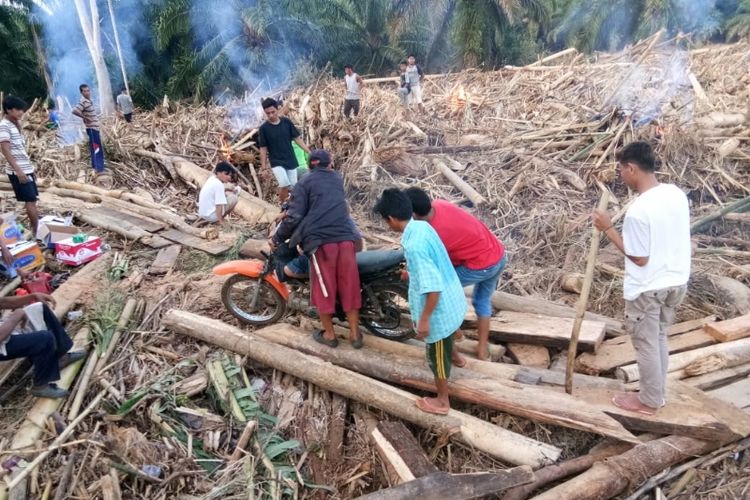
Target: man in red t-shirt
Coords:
[[477, 255]]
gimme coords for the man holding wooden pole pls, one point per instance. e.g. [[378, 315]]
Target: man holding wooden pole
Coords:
[[656, 242]]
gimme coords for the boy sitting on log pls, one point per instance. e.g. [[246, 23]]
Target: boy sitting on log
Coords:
[[436, 297], [215, 200], [46, 348]]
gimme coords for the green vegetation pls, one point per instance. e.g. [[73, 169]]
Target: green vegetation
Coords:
[[199, 49]]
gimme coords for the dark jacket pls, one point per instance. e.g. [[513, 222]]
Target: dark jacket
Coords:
[[318, 213]]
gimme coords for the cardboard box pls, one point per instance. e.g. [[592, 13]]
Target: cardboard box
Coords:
[[74, 254], [53, 229], [9, 230], [26, 256]]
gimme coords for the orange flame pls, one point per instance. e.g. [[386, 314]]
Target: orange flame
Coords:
[[225, 151]]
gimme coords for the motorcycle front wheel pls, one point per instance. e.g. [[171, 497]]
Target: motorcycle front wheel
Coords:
[[392, 321], [238, 294]]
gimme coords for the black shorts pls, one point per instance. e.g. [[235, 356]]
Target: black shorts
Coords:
[[27, 192], [128, 117]]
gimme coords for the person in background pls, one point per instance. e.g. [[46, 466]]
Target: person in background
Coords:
[[436, 297], [353, 84], [125, 105], [47, 349], [53, 117], [275, 138], [86, 111], [403, 88], [215, 202], [478, 256], [18, 166], [414, 77], [656, 243], [318, 220]]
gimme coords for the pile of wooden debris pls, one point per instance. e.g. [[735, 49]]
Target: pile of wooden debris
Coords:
[[178, 400]]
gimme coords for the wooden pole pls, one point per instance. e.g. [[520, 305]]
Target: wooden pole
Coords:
[[583, 298], [463, 186]]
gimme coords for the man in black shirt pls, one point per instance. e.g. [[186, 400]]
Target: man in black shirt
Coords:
[[275, 138]]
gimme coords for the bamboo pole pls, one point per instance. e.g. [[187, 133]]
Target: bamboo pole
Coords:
[[117, 45], [127, 312], [471, 193], [583, 298]]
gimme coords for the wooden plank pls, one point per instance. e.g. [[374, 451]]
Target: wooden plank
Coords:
[[529, 355], [441, 485], [165, 260], [693, 324], [718, 378], [737, 393], [731, 329], [682, 416], [619, 351], [145, 223], [212, 247], [528, 328], [735, 418], [400, 451]]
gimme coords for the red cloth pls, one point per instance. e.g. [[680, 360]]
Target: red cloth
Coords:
[[469, 242], [338, 266]]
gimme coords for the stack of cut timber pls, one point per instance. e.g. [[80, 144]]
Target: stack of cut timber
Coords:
[[619, 351]]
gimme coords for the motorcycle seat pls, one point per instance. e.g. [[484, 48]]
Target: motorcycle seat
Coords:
[[373, 261]]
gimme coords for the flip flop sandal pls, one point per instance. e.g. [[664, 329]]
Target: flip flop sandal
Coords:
[[426, 407], [642, 411], [358, 342], [318, 336]]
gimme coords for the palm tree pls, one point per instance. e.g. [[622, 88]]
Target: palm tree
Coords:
[[738, 24], [611, 24], [21, 73]]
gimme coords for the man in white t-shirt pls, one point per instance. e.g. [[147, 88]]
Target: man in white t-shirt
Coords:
[[214, 201], [353, 83], [656, 242], [414, 77]]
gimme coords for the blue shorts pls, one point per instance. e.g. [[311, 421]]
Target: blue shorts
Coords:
[[485, 283], [299, 265]]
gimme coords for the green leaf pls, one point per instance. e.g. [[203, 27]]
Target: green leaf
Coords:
[[276, 449], [245, 392]]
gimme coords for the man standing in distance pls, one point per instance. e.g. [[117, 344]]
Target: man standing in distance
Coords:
[[87, 112], [414, 77], [275, 138], [478, 256], [18, 166], [353, 83], [656, 243], [125, 105]]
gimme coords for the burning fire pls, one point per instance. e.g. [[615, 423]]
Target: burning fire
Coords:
[[225, 151]]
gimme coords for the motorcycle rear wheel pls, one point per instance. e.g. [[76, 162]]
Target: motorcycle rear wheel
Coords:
[[237, 293], [396, 324]]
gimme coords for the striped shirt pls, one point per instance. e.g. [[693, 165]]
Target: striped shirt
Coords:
[[9, 133], [90, 116], [430, 270]]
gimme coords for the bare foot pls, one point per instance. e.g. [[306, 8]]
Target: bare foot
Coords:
[[433, 405], [482, 352], [629, 401], [458, 360]]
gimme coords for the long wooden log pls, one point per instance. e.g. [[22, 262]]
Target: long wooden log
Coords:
[[161, 215], [121, 227], [491, 439], [463, 186], [503, 301], [734, 353], [533, 402], [611, 477], [441, 485]]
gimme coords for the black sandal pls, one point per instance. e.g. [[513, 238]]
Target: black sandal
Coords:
[[359, 342], [318, 336]]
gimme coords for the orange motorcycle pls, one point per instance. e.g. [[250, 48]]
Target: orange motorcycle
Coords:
[[254, 294]]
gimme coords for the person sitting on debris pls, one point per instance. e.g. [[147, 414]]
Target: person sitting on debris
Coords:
[[656, 243], [47, 349], [216, 200], [275, 138], [478, 256], [436, 297], [18, 166], [318, 220]]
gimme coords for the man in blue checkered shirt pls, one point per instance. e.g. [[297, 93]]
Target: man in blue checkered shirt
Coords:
[[436, 298]]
